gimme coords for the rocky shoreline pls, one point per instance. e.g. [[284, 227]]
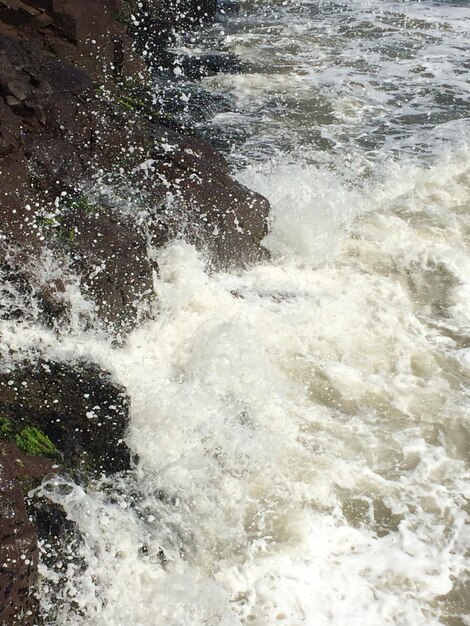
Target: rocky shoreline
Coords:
[[77, 119]]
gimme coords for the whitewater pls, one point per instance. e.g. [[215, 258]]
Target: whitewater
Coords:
[[301, 428]]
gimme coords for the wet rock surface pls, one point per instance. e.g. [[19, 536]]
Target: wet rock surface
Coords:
[[221, 213], [78, 407], [73, 111], [76, 117], [77, 416], [18, 538], [109, 252]]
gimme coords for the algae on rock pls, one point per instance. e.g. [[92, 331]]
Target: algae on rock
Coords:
[[28, 439]]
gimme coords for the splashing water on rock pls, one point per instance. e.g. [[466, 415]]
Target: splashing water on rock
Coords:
[[300, 427]]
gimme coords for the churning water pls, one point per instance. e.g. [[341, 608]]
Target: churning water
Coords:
[[303, 427]]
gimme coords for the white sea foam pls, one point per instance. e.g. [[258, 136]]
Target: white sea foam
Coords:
[[302, 427], [354, 79]]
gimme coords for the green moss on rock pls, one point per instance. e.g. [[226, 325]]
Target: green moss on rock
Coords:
[[82, 203], [29, 439], [5, 428], [33, 441]]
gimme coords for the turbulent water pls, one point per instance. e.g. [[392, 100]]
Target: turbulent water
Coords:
[[302, 427]]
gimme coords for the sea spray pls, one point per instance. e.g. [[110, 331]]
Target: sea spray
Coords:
[[300, 429], [302, 434]]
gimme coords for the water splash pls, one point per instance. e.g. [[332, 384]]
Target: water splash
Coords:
[[302, 428]]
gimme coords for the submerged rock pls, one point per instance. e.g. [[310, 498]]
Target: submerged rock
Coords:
[[228, 7], [210, 64]]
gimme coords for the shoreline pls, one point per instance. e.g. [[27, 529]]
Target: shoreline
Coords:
[[77, 116]]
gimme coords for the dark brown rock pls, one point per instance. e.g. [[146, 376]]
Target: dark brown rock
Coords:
[[57, 130], [220, 213], [111, 256], [19, 89], [10, 128], [18, 539], [84, 33], [85, 415], [16, 12], [77, 406]]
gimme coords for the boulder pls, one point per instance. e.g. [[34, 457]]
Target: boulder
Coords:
[[77, 406], [62, 132], [53, 417], [76, 416]]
